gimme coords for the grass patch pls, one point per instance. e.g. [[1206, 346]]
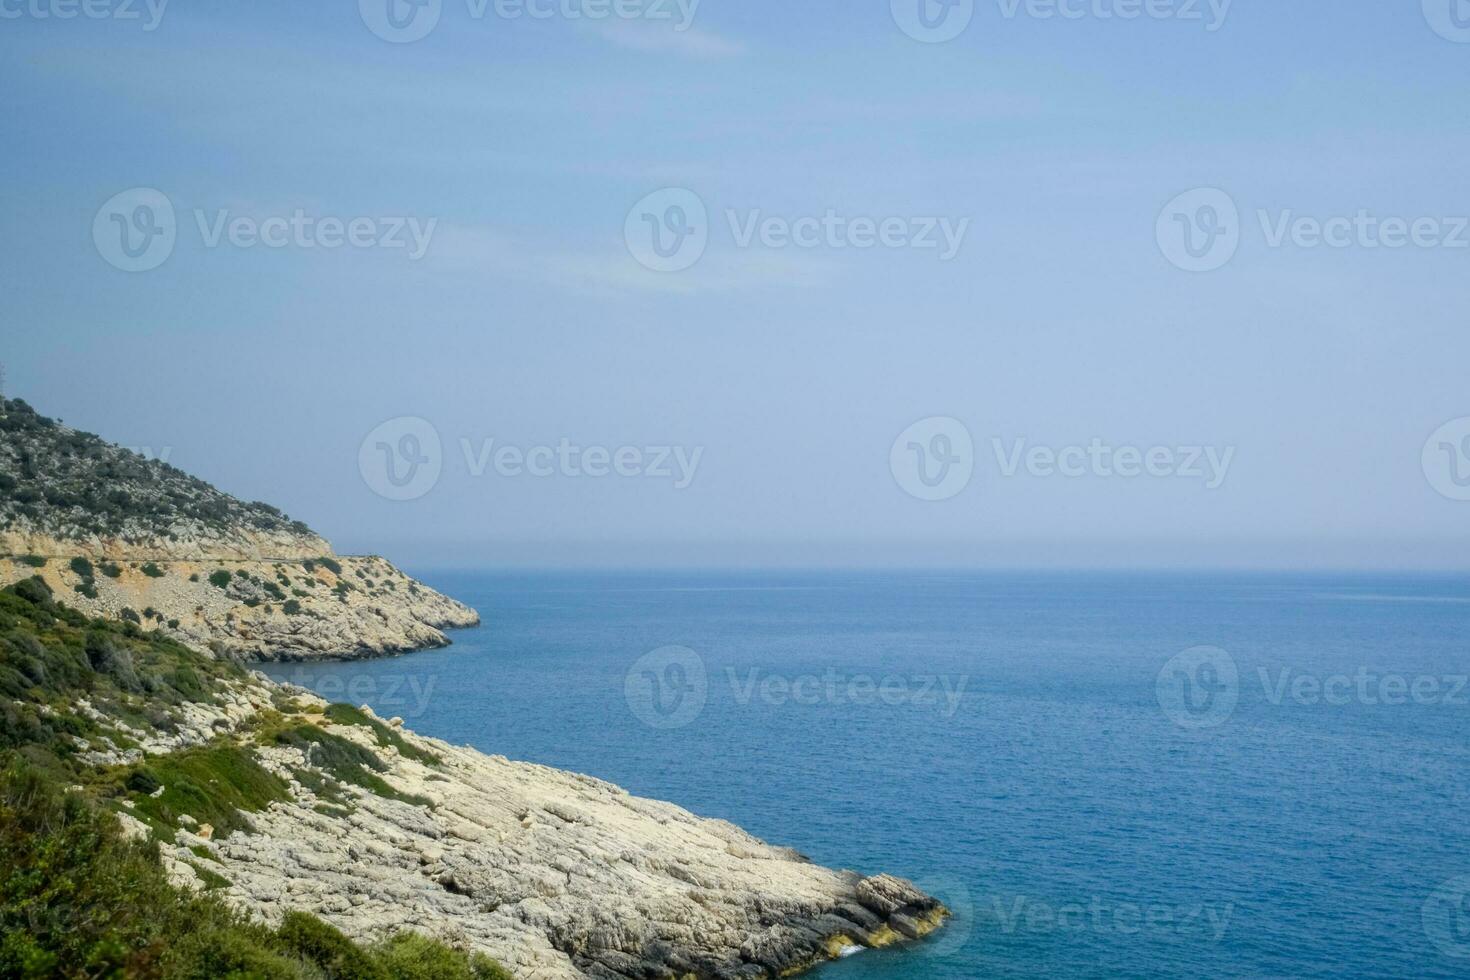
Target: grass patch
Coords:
[[346, 714], [344, 760], [214, 785], [212, 879]]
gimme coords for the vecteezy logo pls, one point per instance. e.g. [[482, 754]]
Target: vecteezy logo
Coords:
[[135, 230], [1446, 918], [400, 21], [667, 687], [933, 21], [1446, 459], [1449, 18], [668, 230], [401, 459], [933, 459], [1199, 688], [1199, 231]]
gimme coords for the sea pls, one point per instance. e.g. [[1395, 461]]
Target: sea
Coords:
[[1102, 774]]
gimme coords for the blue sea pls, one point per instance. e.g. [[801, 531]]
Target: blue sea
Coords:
[[1105, 775]]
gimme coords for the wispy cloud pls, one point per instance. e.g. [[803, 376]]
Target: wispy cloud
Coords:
[[611, 271], [663, 38]]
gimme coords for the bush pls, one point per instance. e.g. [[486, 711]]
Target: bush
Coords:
[[291, 608], [142, 780], [82, 567], [111, 570], [34, 590], [317, 942], [408, 956], [153, 571], [220, 579], [34, 561], [331, 564]]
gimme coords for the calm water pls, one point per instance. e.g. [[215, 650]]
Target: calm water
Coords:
[[1081, 820]]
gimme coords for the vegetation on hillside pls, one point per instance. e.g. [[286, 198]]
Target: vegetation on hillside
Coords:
[[68, 484], [80, 899]]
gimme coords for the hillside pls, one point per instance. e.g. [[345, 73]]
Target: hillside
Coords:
[[168, 814], [64, 493], [129, 538]]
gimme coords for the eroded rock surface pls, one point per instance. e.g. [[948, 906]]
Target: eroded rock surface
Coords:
[[554, 874], [342, 607]]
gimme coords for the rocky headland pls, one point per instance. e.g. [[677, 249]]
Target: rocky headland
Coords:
[[128, 599], [126, 537]]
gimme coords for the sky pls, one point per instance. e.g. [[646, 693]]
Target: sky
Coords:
[[1116, 283]]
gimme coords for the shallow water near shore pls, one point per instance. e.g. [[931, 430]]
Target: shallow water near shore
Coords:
[[1005, 740]]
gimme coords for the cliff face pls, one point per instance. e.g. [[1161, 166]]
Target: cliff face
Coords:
[[126, 537], [265, 610]]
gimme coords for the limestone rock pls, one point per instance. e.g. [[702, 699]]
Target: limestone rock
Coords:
[[557, 875]]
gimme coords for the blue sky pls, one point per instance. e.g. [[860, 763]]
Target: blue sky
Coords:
[[528, 319]]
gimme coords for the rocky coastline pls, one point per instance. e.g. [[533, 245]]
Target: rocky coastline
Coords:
[[558, 876]]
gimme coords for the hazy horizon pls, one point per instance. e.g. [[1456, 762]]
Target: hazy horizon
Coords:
[[1059, 292]]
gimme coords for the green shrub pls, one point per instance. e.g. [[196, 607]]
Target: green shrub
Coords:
[[220, 579], [33, 590], [34, 561], [86, 588], [291, 608], [409, 956], [111, 569], [153, 571], [331, 564], [325, 946], [82, 567]]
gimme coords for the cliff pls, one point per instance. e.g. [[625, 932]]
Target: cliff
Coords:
[[126, 537]]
